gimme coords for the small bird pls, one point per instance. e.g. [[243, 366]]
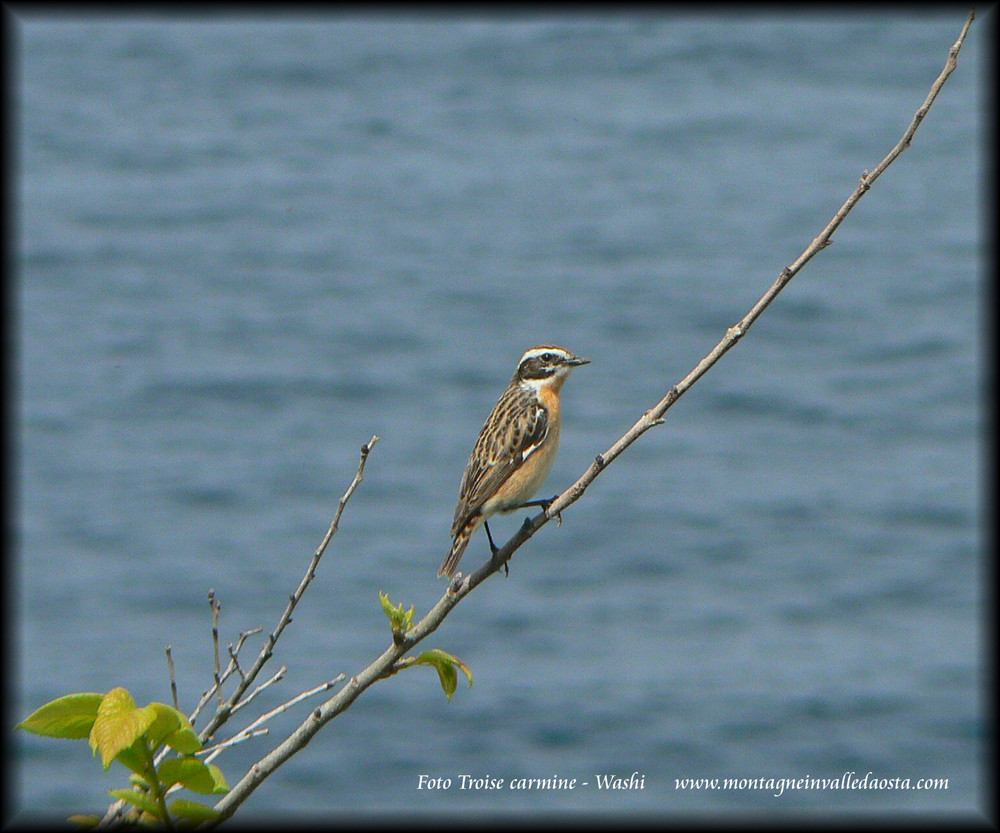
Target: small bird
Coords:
[[515, 449]]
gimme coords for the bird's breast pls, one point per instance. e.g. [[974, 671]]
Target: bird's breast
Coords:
[[528, 478]]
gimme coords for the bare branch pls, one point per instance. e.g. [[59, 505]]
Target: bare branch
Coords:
[[461, 585], [298, 698], [235, 701], [365, 449], [234, 661], [278, 676], [222, 713], [212, 752], [253, 729], [173, 679], [233, 665], [216, 606], [243, 637], [654, 416]]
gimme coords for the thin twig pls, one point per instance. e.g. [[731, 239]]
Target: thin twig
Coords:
[[246, 701], [207, 695], [216, 606], [461, 585], [335, 525], [234, 661], [239, 737], [298, 698], [173, 680], [222, 712]]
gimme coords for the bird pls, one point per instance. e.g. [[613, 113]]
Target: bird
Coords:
[[515, 450]]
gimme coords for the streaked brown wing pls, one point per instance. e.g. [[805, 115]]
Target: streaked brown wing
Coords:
[[516, 427]]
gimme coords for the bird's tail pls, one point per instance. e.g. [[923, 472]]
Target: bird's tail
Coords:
[[457, 549]]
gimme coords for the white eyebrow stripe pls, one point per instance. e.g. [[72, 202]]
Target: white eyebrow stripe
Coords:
[[537, 352]]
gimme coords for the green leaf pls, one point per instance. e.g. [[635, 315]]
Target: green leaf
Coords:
[[136, 761], [144, 801], [167, 720], [70, 717], [119, 725], [447, 667], [173, 728], [400, 621], [192, 810], [116, 700], [193, 774], [219, 779], [84, 822], [177, 770], [185, 740], [137, 780]]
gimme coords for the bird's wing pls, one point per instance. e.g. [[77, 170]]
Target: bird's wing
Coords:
[[516, 428]]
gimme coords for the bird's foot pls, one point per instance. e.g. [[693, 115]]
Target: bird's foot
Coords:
[[545, 503]]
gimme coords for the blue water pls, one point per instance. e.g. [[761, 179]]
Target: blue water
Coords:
[[245, 246]]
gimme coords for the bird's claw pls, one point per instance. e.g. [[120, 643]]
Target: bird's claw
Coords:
[[548, 503]]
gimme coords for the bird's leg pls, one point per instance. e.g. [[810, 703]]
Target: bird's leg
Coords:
[[545, 504], [495, 548]]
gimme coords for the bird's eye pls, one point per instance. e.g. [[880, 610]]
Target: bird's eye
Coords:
[[547, 357]]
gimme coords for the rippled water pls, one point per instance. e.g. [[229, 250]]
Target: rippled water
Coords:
[[248, 245]]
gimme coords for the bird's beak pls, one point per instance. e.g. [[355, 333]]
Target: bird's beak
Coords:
[[577, 360]]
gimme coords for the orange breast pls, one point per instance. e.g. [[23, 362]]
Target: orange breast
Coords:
[[524, 483]]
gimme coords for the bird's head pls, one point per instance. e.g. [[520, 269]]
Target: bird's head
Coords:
[[547, 364]]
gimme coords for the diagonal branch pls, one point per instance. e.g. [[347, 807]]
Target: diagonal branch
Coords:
[[654, 416], [461, 585]]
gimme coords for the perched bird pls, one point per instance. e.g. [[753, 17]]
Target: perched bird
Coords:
[[515, 449]]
